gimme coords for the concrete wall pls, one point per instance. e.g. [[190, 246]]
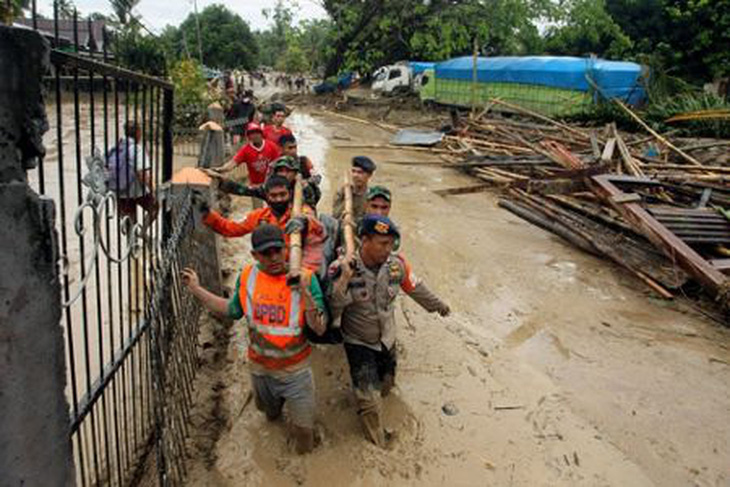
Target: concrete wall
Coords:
[[35, 448]]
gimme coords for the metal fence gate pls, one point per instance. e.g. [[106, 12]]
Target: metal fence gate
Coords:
[[130, 330]]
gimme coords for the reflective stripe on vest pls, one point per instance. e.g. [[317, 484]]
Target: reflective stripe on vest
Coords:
[[293, 328], [271, 345]]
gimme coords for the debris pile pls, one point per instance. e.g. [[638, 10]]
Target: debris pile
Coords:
[[652, 206]]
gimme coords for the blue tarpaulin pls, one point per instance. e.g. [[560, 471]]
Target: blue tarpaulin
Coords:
[[614, 78], [419, 67]]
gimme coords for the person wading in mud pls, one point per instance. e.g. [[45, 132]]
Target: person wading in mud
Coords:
[[362, 170], [276, 315], [362, 297], [129, 176], [257, 154], [278, 213]]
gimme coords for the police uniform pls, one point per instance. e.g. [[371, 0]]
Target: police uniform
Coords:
[[359, 199], [366, 313]]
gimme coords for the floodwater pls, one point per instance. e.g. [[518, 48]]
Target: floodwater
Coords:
[[561, 369]]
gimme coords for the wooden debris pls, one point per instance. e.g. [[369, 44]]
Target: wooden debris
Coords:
[[463, 190], [656, 135], [642, 202]]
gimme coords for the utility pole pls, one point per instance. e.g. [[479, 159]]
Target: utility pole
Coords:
[[197, 25], [474, 78]]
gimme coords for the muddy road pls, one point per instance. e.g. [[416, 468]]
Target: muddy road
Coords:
[[556, 368]]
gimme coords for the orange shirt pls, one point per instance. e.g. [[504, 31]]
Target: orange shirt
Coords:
[[313, 244]]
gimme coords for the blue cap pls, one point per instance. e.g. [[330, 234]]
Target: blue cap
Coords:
[[377, 225]]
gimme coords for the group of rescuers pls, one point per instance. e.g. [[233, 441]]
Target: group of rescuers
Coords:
[[339, 299]]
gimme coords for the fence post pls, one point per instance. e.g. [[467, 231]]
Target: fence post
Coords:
[[35, 445]]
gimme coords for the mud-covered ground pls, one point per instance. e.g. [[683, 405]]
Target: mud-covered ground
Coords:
[[555, 368]]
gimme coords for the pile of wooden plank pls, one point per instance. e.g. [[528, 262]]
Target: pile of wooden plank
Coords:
[[652, 206]]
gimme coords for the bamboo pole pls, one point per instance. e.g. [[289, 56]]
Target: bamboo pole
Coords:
[[656, 135], [348, 219], [295, 239], [525, 111]]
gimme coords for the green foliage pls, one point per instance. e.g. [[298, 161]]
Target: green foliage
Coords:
[[280, 32], [292, 48], [686, 37], [191, 94], [123, 10], [9, 10], [313, 37], [293, 60], [657, 114], [368, 34], [588, 29], [139, 52], [66, 9], [226, 39], [701, 32]]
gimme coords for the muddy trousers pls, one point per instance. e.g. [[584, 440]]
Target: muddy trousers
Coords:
[[373, 375], [297, 390]]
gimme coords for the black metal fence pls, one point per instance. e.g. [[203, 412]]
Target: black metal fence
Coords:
[[130, 331]]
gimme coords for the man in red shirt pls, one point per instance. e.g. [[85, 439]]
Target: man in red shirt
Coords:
[[274, 130], [257, 155]]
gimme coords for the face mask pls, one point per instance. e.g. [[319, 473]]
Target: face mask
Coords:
[[279, 207]]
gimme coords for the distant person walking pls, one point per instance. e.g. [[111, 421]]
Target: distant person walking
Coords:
[[240, 114]]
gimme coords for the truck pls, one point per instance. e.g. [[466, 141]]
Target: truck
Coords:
[[402, 77]]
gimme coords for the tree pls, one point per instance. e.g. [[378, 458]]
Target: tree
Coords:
[[293, 60], [588, 29], [190, 92], [281, 30], [368, 34], [66, 9], [11, 9], [123, 10], [226, 39], [701, 33], [685, 37], [313, 37], [139, 52]]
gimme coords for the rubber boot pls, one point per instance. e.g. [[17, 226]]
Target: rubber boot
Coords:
[[368, 408]]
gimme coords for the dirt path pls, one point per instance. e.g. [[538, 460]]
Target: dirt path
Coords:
[[560, 368]]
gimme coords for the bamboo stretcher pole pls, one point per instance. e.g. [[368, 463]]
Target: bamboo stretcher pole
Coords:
[[348, 220], [295, 240]]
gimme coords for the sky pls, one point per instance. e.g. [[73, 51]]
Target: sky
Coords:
[[156, 14]]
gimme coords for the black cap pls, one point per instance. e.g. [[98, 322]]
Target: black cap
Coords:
[[364, 163], [378, 225], [267, 236]]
